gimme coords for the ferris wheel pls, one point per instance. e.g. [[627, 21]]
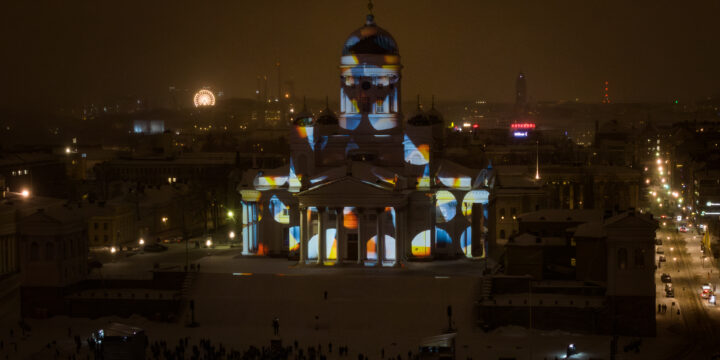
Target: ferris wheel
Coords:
[[203, 98]]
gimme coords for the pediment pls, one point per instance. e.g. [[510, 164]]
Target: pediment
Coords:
[[350, 191], [630, 220]]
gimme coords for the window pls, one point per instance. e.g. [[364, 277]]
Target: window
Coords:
[[104, 226], [502, 234], [513, 211], [95, 226], [639, 255], [105, 239], [622, 258], [49, 251], [96, 238], [34, 252]]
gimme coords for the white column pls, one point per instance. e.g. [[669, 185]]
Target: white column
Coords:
[[321, 235], [303, 235], [399, 235], [247, 230], [340, 235], [361, 236], [379, 238], [433, 210]]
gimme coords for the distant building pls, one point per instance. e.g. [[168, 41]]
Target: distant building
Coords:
[[576, 270]]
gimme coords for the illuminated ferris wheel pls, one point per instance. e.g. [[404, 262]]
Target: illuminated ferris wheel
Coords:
[[203, 98]]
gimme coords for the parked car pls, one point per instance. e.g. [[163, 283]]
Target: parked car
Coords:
[[668, 287], [155, 247], [670, 293], [660, 250], [666, 278], [662, 258], [658, 241]]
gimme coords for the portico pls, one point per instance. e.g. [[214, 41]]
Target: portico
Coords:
[[342, 220]]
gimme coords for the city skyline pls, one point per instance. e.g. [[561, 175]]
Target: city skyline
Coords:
[[462, 50]]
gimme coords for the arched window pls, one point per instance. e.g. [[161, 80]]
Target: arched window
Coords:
[[639, 255], [34, 252], [622, 258], [49, 251], [502, 234]]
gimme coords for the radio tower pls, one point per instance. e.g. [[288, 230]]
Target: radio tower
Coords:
[[606, 97]]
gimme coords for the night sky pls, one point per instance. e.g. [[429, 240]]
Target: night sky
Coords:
[[72, 52]]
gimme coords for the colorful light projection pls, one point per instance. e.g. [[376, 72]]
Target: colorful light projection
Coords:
[[382, 122], [442, 238], [306, 132], [385, 178], [474, 197], [350, 121], [350, 218], [294, 239], [268, 182], [294, 182], [421, 243], [416, 155], [445, 206], [466, 241], [280, 211], [460, 182], [389, 248], [330, 245], [423, 182]]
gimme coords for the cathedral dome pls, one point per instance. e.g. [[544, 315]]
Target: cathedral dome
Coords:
[[370, 39], [327, 117], [304, 117]]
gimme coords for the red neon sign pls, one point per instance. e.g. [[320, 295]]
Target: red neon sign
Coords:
[[522, 126]]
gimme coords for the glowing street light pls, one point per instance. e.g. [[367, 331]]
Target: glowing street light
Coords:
[[141, 241], [231, 235], [659, 161], [230, 214], [208, 243], [25, 193], [113, 250]]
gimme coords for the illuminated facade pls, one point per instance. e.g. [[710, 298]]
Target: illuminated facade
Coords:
[[366, 185]]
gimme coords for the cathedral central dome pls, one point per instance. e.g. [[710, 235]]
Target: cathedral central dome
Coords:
[[370, 39]]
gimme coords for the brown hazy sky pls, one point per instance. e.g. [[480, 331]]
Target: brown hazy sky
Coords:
[[56, 52]]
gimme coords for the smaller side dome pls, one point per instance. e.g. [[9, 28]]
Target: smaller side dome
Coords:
[[420, 118], [304, 117], [327, 116], [434, 115]]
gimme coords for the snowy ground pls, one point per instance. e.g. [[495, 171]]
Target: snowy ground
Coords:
[[367, 309]]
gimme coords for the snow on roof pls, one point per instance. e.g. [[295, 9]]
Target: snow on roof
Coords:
[[563, 215], [526, 239], [120, 330], [593, 229]]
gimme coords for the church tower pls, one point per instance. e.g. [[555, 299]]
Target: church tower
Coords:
[[370, 96]]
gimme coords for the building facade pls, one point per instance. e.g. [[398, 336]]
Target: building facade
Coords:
[[366, 174]]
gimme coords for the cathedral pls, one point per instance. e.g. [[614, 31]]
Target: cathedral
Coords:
[[366, 185]]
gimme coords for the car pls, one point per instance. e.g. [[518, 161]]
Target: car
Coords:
[[706, 290], [660, 250], [668, 286], [670, 293], [658, 241], [662, 258], [682, 229], [666, 278], [155, 248]]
